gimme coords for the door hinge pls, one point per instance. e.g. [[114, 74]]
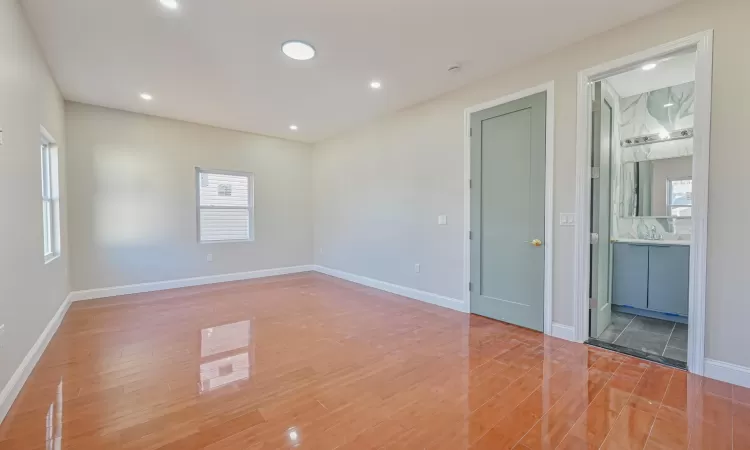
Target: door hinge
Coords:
[[594, 238], [471, 235], [469, 287], [471, 132], [595, 173], [469, 183], [593, 303]]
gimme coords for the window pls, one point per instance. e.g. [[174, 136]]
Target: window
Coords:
[[225, 206], [680, 197], [50, 198]]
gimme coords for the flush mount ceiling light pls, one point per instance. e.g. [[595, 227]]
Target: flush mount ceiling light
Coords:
[[649, 66], [146, 96], [301, 51], [375, 84], [293, 127], [169, 4]]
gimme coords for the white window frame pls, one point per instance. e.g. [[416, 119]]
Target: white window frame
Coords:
[[250, 204], [671, 206], [50, 197]]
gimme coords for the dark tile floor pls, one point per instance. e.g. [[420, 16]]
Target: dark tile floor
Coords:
[[655, 336]]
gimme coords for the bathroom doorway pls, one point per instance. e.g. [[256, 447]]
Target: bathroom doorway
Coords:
[[646, 150]]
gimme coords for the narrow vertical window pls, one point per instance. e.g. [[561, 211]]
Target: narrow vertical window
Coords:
[[50, 199]]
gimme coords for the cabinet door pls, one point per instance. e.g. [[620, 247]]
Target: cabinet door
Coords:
[[630, 275], [668, 272]]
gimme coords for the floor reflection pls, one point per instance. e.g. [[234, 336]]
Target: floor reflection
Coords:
[[54, 421], [226, 355]]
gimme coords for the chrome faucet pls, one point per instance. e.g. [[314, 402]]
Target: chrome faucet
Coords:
[[654, 236]]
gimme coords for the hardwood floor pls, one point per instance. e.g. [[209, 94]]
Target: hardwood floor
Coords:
[[310, 361]]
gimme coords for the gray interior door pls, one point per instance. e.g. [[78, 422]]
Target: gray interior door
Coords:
[[507, 211], [601, 210]]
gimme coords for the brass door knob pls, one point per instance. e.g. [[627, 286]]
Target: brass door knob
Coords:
[[536, 243]]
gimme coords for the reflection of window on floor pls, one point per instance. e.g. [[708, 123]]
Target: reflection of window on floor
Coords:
[[54, 421], [680, 197], [225, 355]]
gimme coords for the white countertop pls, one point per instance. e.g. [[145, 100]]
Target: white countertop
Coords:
[[651, 242]]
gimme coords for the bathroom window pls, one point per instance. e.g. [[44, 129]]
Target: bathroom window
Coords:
[[680, 197]]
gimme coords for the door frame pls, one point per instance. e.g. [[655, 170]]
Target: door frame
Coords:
[[549, 88], [702, 43]]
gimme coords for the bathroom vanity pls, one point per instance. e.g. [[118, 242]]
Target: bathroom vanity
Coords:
[[651, 275]]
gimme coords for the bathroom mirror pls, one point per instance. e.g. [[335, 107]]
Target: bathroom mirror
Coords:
[[658, 188]]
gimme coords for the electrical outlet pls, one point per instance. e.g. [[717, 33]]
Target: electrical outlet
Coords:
[[417, 268], [442, 220], [320, 250], [210, 257]]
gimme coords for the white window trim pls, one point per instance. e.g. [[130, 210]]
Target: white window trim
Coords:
[[250, 204], [50, 193]]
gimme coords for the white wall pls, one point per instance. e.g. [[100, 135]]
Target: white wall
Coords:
[[30, 290], [379, 189], [131, 182]]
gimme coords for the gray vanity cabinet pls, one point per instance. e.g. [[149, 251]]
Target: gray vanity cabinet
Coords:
[[668, 271], [630, 275], [653, 277]]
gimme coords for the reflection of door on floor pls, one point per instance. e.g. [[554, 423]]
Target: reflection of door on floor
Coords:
[[507, 211]]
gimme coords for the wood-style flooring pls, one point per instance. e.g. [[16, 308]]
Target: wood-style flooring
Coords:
[[310, 361]]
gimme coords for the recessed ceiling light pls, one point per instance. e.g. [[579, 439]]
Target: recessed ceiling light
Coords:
[[293, 127], [170, 4], [146, 96], [649, 66], [668, 105], [375, 84], [298, 50]]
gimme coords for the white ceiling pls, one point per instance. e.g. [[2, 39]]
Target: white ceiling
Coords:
[[668, 72], [218, 62]]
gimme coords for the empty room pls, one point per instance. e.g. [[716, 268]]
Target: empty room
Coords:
[[424, 224]]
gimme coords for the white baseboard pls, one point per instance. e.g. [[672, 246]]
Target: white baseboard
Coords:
[[416, 294], [19, 377], [728, 372], [564, 332], [91, 294]]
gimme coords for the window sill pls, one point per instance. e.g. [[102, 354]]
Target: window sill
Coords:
[[48, 259], [234, 241]]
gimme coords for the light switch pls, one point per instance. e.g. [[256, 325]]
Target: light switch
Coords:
[[442, 220], [209, 257], [567, 219]]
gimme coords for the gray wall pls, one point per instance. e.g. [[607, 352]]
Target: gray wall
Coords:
[[30, 290], [131, 181], [379, 189]]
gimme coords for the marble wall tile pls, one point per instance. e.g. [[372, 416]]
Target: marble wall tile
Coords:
[[647, 114]]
